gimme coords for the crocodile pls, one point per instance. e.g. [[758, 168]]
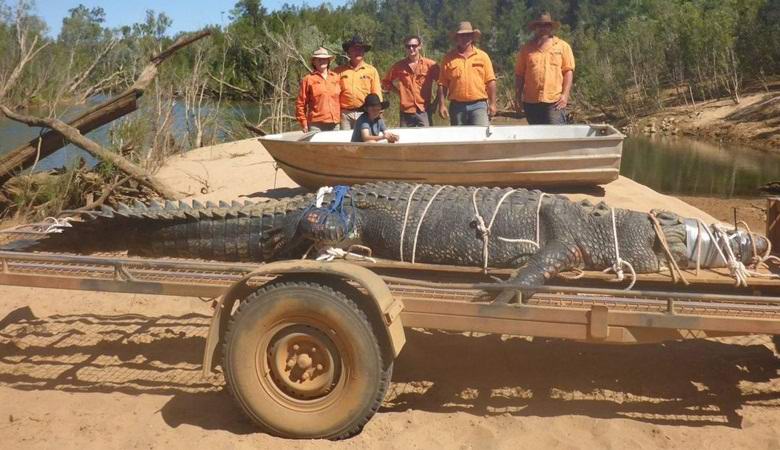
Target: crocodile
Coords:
[[539, 234]]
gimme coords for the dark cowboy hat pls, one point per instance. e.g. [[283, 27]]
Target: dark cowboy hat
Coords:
[[373, 100], [544, 18], [355, 41]]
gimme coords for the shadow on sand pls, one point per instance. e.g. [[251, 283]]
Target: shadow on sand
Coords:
[[690, 383]]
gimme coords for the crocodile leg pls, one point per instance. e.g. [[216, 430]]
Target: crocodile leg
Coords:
[[555, 257]]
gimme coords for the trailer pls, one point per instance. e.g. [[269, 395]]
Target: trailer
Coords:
[[307, 347]]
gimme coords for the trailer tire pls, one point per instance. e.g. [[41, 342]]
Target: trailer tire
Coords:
[[287, 330], [776, 341]]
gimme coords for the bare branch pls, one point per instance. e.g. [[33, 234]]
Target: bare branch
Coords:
[[73, 135], [86, 73]]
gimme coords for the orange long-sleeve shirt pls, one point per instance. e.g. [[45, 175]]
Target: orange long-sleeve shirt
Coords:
[[357, 83], [318, 99], [415, 86]]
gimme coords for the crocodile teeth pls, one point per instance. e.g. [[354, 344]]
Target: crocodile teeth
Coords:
[[210, 204], [223, 204], [236, 204], [171, 206], [184, 205], [197, 204], [139, 205], [122, 207], [155, 205]]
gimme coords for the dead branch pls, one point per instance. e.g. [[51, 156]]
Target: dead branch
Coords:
[[27, 52], [255, 129], [150, 71], [112, 109], [88, 71], [73, 135], [103, 196]]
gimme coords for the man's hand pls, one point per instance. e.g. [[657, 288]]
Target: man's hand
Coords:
[[562, 102], [492, 109], [391, 137], [443, 113], [305, 128]]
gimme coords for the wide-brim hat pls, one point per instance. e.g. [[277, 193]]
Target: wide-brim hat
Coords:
[[466, 28], [373, 100], [544, 18], [322, 53], [355, 41]]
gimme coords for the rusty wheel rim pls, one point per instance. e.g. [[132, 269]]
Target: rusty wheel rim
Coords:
[[302, 365]]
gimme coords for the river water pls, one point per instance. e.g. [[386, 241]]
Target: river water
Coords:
[[669, 165]]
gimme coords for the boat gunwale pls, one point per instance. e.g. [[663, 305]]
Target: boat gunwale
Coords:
[[616, 136]]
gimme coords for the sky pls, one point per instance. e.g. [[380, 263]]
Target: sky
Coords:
[[187, 15]]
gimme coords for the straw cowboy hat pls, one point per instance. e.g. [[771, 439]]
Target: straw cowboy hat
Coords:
[[466, 28], [544, 18], [322, 53], [373, 100], [356, 41]]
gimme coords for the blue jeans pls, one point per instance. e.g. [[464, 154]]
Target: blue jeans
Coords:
[[543, 114], [469, 113], [415, 119]]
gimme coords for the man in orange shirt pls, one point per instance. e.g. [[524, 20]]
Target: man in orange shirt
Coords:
[[412, 78], [357, 79], [468, 80], [317, 106], [544, 74]]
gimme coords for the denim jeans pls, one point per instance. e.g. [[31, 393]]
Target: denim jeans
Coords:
[[469, 113], [415, 119], [544, 114]]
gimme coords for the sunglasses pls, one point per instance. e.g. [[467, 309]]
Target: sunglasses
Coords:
[[411, 46]]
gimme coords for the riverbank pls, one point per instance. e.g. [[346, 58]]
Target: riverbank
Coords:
[[754, 122]]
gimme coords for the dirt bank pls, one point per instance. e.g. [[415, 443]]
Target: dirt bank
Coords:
[[754, 122]]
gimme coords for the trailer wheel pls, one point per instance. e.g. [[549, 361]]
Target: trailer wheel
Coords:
[[776, 341], [303, 361]]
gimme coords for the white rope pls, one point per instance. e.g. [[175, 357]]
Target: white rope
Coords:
[[485, 229], [406, 217], [417, 231], [331, 253], [737, 268], [321, 195], [56, 224], [617, 267]]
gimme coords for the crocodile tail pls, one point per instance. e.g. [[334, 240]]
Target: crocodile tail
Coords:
[[237, 231]]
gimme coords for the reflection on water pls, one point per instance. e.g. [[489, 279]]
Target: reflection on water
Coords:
[[686, 166]]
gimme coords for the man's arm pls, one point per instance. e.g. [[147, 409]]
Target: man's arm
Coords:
[[568, 78], [388, 82], [300, 106], [441, 94], [519, 84], [367, 137], [376, 85], [491, 92]]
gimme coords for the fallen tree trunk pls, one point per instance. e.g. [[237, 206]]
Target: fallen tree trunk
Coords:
[[72, 135], [25, 156]]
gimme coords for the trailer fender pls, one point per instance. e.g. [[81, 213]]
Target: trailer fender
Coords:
[[383, 306]]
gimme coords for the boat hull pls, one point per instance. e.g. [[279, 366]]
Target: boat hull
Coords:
[[589, 155]]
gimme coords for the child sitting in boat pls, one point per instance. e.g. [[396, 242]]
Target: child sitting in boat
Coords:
[[370, 127]]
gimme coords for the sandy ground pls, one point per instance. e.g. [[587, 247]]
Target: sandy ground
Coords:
[[96, 370]]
